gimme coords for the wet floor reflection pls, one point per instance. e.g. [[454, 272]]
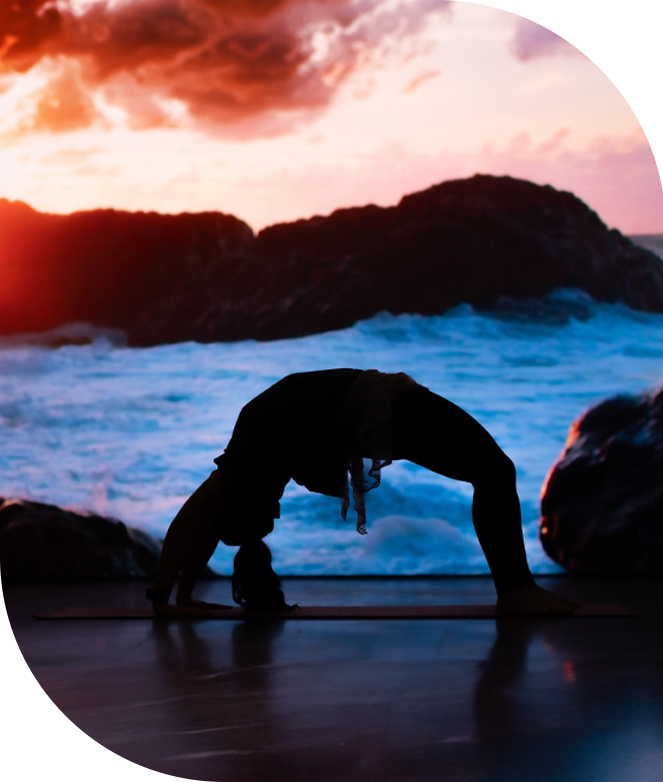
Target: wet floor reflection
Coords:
[[394, 701], [550, 705], [500, 685], [512, 700], [219, 687]]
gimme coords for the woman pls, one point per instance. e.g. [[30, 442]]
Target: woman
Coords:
[[315, 428]]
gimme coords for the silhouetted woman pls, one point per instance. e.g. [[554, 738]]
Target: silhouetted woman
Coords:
[[316, 428]]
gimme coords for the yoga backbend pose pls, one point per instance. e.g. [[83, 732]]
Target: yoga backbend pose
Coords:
[[315, 427]]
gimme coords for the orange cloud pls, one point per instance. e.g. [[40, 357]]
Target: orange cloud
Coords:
[[243, 67], [415, 83], [27, 30], [68, 157], [62, 105]]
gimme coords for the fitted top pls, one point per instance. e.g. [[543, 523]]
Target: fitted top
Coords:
[[313, 428]]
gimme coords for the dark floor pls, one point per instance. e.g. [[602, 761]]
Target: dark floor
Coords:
[[568, 700]]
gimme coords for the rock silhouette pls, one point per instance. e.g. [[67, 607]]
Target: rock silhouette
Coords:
[[206, 277], [42, 542], [602, 505]]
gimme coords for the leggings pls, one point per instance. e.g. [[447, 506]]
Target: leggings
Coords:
[[440, 436]]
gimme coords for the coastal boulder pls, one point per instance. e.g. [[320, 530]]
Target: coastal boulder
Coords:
[[602, 503], [39, 542]]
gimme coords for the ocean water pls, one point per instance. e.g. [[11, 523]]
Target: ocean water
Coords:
[[130, 433]]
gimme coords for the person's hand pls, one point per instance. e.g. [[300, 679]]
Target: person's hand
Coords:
[[535, 600]]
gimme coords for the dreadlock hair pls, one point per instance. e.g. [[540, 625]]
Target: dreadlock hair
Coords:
[[256, 587]]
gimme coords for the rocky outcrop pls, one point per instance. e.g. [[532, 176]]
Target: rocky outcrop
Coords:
[[104, 267], [205, 277], [40, 542], [602, 504]]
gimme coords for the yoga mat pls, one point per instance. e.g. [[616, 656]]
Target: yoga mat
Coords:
[[325, 612]]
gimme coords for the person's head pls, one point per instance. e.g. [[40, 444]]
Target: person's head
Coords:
[[256, 587]]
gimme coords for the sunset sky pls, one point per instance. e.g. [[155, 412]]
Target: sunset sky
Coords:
[[278, 109]]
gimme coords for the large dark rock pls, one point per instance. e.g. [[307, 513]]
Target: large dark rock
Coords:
[[602, 505], [205, 277], [104, 267], [40, 541]]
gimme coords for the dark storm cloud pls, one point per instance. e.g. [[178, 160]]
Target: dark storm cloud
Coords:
[[251, 65]]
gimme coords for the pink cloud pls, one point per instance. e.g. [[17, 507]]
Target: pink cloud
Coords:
[[415, 83], [546, 28], [617, 177], [551, 27]]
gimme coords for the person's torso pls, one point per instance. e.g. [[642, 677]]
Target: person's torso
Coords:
[[296, 429]]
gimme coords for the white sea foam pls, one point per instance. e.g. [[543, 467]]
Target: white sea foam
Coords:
[[131, 432]]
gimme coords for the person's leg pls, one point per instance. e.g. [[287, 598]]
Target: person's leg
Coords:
[[433, 432], [189, 540]]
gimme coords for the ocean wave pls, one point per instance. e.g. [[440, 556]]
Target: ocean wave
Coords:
[[67, 334], [131, 432]]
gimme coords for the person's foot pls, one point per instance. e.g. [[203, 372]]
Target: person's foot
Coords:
[[200, 604], [156, 595], [535, 600]]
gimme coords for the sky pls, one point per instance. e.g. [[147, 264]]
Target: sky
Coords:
[[274, 110]]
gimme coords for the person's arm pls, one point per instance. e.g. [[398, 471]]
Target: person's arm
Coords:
[[188, 546], [199, 555]]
